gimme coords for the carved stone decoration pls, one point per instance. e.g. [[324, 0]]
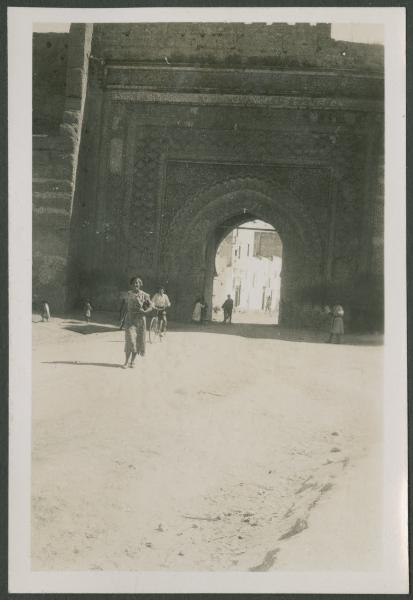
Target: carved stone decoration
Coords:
[[185, 167], [274, 203], [184, 253], [143, 211]]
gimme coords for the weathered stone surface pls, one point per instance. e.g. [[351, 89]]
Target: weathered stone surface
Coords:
[[74, 83], [49, 80], [55, 167], [254, 81], [116, 148], [277, 44]]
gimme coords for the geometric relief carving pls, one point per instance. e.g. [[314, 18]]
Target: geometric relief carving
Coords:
[[205, 157], [143, 210], [267, 199], [112, 192], [185, 179], [350, 159]]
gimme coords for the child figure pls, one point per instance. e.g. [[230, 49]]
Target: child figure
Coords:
[[337, 324], [88, 311], [45, 311]]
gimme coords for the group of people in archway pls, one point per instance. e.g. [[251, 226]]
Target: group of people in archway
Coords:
[[199, 313]]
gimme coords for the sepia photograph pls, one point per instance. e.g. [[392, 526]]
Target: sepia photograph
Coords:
[[209, 390]]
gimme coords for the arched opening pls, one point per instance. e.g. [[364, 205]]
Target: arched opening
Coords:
[[248, 263], [189, 248]]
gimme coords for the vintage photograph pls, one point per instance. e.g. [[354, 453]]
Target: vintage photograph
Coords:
[[208, 297]]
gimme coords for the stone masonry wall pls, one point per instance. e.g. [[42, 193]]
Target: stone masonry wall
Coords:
[[50, 52], [275, 45], [55, 156]]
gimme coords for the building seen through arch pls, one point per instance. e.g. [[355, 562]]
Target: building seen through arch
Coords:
[[248, 267]]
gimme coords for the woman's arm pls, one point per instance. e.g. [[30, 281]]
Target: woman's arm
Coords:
[[150, 305]]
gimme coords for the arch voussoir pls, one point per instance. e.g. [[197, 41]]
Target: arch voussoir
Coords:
[[266, 200]]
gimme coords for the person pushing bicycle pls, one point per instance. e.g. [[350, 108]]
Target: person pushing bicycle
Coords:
[[161, 303]]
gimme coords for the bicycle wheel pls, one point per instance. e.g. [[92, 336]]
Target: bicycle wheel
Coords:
[[154, 330]]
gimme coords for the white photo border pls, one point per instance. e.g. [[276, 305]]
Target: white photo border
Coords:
[[394, 577]]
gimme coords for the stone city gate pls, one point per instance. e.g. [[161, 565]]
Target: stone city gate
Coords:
[[188, 268], [174, 149]]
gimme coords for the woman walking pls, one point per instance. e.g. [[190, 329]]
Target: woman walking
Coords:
[[138, 303]]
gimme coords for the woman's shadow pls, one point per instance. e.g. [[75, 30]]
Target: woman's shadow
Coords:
[[81, 364]]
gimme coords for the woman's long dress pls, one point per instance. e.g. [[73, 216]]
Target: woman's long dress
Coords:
[[337, 324], [135, 323], [197, 312]]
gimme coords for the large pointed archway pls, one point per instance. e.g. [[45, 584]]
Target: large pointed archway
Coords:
[[190, 244]]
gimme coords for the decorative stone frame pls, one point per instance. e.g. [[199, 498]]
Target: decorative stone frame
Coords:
[[190, 243]]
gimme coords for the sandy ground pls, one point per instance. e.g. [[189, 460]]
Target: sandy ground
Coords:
[[258, 317], [217, 452]]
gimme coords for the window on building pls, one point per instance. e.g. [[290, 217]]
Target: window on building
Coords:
[[267, 244], [237, 299]]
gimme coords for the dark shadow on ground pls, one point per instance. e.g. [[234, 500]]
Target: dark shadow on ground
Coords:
[[104, 322], [88, 328], [275, 332], [81, 364]]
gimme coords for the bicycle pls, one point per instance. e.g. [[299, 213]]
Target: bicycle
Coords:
[[157, 328]]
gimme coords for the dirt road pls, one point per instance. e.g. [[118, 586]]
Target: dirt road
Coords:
[[217, 452]]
